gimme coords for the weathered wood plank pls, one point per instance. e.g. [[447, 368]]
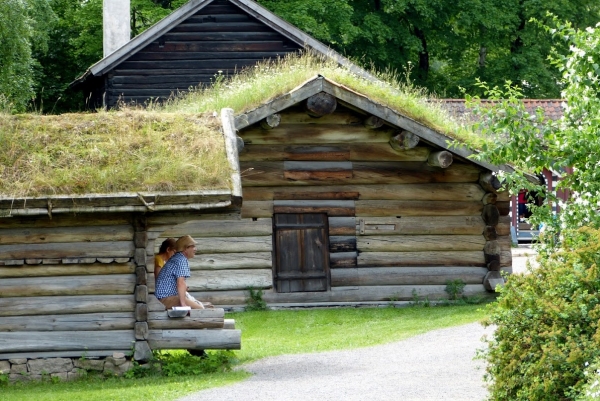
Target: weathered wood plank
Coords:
[[332, 152], [504, 224], [70, 322], [60, 305], [218, 261], [195, 339], [331, 207], [203, 319], [367, 173], [430, 192], [420, 243], [165, 221], [342, 243], [66, 270], [416, 208], [44, 235], [230, 244], [114, 284], [419, 225], [342, 259], [342, 225], [230, 279], [406, 275], [66, 220], [251, 209], [32, 341], [290, 134], [430, 258], [68, 250], [63, 354], [312, 170], [220, 228]]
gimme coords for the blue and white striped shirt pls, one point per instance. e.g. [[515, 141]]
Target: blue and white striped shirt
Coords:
[[166, 282]]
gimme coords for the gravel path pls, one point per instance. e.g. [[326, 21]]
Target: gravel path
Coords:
[[437, 365]]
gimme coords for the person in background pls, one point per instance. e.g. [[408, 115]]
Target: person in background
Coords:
[[166, 250], [522, 199], [171, 287]]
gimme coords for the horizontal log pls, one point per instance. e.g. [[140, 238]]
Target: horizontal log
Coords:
[[345, 243], [60, 305], [206, 319], [252, 209], [195, 339], [70, 322], [342, 225], [168, 220], [342, 259], [367, 173], [331, 152], [430, 258], [65, 220], [218, 280], [44, 235], [382, 293], [220, 228], [297, 134], [231, 244], [420, 225], [63, 354], [115, 249], [431, 192], [67, 270], [219, 261], [420, 243], [382, 208], [331, 207], [504, 224], [114, 284], [51, 341], [316, 170], [406, 275]]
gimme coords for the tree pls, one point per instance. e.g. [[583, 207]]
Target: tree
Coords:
[[548, 321], [23, 30]]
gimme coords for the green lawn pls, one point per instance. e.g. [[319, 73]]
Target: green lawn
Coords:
[[265, 334]]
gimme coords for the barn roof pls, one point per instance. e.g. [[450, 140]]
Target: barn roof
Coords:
[[286, 29], [129, 161], [424, 129]]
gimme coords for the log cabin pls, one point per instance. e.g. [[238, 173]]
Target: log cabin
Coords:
[[347, 201], [73, 276], [189, 48]]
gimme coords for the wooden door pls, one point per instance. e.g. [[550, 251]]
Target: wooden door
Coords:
[[301, 252]]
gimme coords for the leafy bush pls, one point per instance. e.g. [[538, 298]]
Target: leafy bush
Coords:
[[455, 288], [548, 324]]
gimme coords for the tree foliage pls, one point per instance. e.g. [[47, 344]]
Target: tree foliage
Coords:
[[547, 321]]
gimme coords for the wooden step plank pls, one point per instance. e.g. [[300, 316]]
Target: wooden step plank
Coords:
[[195, 339]]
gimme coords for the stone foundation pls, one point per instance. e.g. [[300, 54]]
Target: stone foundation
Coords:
[[63, 368]]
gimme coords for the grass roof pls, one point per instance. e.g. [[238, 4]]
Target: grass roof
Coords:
[[176, 146], [108, 152]]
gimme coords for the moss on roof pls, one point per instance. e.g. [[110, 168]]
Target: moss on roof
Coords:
[[107, 152]]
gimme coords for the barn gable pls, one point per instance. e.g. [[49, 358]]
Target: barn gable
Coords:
[[191, 46]]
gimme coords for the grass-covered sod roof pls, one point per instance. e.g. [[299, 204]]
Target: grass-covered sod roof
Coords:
[[109, 152]]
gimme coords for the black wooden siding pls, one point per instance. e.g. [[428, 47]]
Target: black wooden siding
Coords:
[[220, 37]]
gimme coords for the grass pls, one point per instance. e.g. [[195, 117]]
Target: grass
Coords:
[[265, 333], [108, 152]]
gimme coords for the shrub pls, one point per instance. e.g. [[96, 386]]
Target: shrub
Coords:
[[255, 300], [547, 324]]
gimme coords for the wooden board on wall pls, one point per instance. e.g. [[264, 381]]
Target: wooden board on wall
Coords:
[[27, 287], [43, 235], [429, 192], [71, 322], [65, 220], [420, 225], [34, 341], [194, 339], [332, 152], [406, 275], [61, 305], [219, 228], [67, 270], [364, 173], [219, 280], [230, 244], [222, 261], [420, 243], [430, 258], [374, 208], [114, 249]]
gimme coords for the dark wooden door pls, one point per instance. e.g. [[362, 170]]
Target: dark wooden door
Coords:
[[301, 252]]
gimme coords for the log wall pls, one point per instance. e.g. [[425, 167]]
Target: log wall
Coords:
[[396, 222], [67, 285]]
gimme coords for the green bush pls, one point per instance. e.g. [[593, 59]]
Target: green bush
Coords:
[[547, 324]]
